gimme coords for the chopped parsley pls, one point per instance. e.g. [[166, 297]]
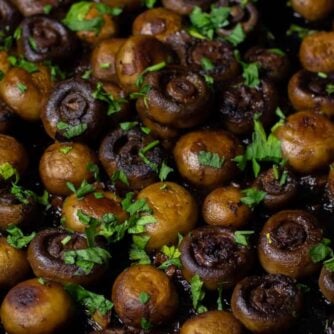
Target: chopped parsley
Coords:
[[241, 237], [220, 306], [22, 195], [76, 17], [84, 188], [47, 9], [91, 301], [71, 131], [252, 197], [206, 24], [144, 297], [164, 171], [65, 149], [126, 126], [237, 35], [299, 31], [321, 251], [173, 254], [261, 149], [197, 294], [94, 169], [330, 89], [145, 324], [7, 171], [17, 239], [121, 176], [87, 258], [21, 87], [137, 251], [150, 3], [210, 159], [207, 64], [23, 63]]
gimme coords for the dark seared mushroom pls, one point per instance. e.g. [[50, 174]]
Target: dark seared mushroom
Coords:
[[72, 106], [103, 59], [285, 243], [106, 203], [15, 211], [185, 7], [178, 98], [33, 7], [205, 157], [32, 307], [307, 141], [10, 18], [280, 186], [65, 162], [212, 322], [26, 93], [14, 266], [223, 207], [238, 104], [174, 209], [46, 254], [161, 299], [158, 22], [213, 253], [132, 59], [245, 15], [268, 304], [44, 38], [313, 10], [309, 91], [317, 52], [274, 64], [122, 150], [326, 283]]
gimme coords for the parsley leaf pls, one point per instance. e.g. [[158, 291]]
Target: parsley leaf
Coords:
[[70, 131], [47, 9], [144, 297], [150, 3], [21, 194], [206, 24], [93, 302], [121, 176], [87, 258], [165, 170], [301, 32], [210, 159], [7, 171], [21, 87], [261, 149], [321, 251], [173, 254], [126, 126], [220, 306], [84, 189], [252, 197], [94, 169], [114, 105], [207, 64], [330, 89], [237, 35], [145, 324], [197, 294], [241, 237], [23, 63], [17, 239], [137, 251], [65, 149]]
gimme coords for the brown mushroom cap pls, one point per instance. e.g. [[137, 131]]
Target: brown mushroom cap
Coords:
[[57, 168], [133, 281], [31, 307], [174, 210]]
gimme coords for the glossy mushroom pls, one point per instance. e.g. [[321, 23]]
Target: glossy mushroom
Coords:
[[14, 266], [212, 322], [178, 98], [72, 112], [103, 59], [158, 22], [7, 117], [132, 59], [307, 141], [44, 38], [238, 104], [174, 209], [122, 150], [213, 253], [93, 206], [309, 91], [193, 153], [26, 92], [33, 7], [313, 10], [223, 207], [268, 304], [285, 243], [57, 167], [316, 52], [46, 255], [131, 283], [32, 307]]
